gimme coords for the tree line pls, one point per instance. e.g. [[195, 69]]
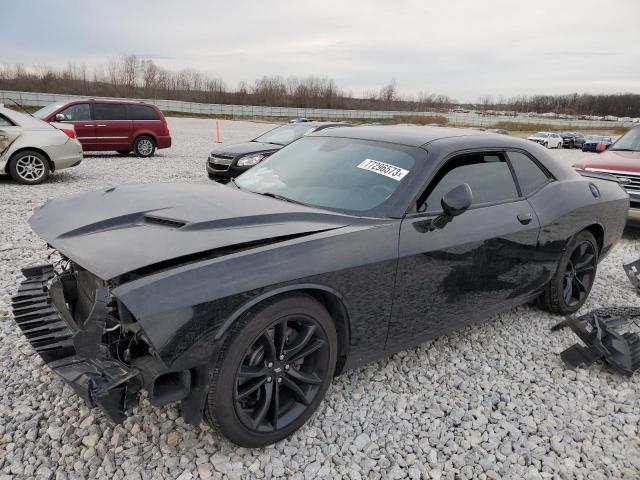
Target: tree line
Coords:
[[131, 77], [619, 105]]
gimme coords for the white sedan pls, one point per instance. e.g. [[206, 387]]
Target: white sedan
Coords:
[[31, 149], [547, 139]]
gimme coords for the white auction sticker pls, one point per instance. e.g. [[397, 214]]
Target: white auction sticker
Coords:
[[385, 169]]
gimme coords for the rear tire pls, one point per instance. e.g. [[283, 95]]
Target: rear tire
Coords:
[[144, 146], [29, 167], [272, 371], [570, 286]]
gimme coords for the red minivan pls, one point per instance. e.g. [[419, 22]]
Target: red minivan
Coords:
[[112, 125]]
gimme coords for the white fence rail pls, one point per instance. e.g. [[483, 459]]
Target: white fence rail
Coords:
[[34, 99]]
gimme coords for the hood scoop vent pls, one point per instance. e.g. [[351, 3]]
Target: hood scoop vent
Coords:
[[164, 222]]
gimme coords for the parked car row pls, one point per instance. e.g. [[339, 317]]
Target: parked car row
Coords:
[[589, 143]]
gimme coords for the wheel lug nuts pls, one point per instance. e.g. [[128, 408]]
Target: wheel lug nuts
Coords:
[[286, 367], [279, 379], [281, 357], [270, 364], [269, 379]]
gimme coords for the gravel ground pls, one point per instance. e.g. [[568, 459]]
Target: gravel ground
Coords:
[[491, 401]]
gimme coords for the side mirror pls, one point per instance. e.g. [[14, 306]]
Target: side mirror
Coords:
[[454, 203], [60, 117]]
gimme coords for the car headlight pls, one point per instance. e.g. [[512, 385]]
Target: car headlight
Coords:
[[250, 160]]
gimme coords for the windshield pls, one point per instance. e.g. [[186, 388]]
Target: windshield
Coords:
[[541, 134], [48, 110], [285, 134], [629, 141], [339, 173]]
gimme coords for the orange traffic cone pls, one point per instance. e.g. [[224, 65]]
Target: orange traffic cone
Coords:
[[217, 132]]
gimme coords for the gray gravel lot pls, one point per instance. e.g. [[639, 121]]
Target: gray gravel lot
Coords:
[[491, 401]]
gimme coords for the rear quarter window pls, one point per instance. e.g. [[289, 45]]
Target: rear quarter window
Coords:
[[529, 174], [142, 112]]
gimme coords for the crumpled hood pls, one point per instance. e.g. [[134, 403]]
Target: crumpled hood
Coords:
[[121, 229], [245, 148]]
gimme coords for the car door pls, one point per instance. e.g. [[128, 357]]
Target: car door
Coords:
[[113, 127], [473, 267], [79, 115]]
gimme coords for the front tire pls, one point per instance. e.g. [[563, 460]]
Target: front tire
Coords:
[[570, 286], [29, 167], [144, 146], [272, 371]]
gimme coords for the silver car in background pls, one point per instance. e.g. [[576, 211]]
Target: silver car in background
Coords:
[[31, 149]]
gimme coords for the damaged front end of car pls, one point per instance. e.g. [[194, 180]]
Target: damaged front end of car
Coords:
[[87, 336]]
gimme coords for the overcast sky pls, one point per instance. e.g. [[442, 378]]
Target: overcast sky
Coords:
[[461, 48]]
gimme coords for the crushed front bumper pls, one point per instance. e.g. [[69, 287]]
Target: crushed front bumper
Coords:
[[74, 351]]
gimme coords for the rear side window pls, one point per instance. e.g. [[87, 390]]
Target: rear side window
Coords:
[[79, 112], [108, 111], [530, 176], [142, 112], [488, 175]]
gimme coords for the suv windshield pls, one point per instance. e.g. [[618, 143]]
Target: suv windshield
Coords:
[[541, 135], [338, 173], [285, 134], [630, 141], [48, 110]]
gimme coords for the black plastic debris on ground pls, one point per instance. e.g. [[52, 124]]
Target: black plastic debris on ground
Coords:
[[633, 272], [601, 341]]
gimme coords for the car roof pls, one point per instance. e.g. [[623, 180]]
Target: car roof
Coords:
[[411, 135], [104, 100]]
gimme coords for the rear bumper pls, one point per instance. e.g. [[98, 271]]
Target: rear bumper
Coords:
[[74, 352], [67, 155], [164, 142]]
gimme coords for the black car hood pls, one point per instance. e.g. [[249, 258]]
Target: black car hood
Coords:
[[122, 229], [245, 148]]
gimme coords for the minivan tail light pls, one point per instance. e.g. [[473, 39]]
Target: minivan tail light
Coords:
[[165, 127], [71, 133]]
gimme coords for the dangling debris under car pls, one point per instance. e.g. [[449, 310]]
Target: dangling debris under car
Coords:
[[601, 341]]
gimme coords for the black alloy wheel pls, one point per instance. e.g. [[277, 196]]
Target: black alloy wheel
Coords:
[[579, 274], [272, 370], [281, 373], [569, 288]]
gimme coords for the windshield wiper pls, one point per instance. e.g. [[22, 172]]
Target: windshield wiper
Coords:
[[273, 143], [280, 197]]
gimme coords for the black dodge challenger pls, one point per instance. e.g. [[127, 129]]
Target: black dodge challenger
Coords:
[[242, 301]]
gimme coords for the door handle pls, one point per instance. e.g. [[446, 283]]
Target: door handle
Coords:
[[100, 125], [90, 125], [525, 218]]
